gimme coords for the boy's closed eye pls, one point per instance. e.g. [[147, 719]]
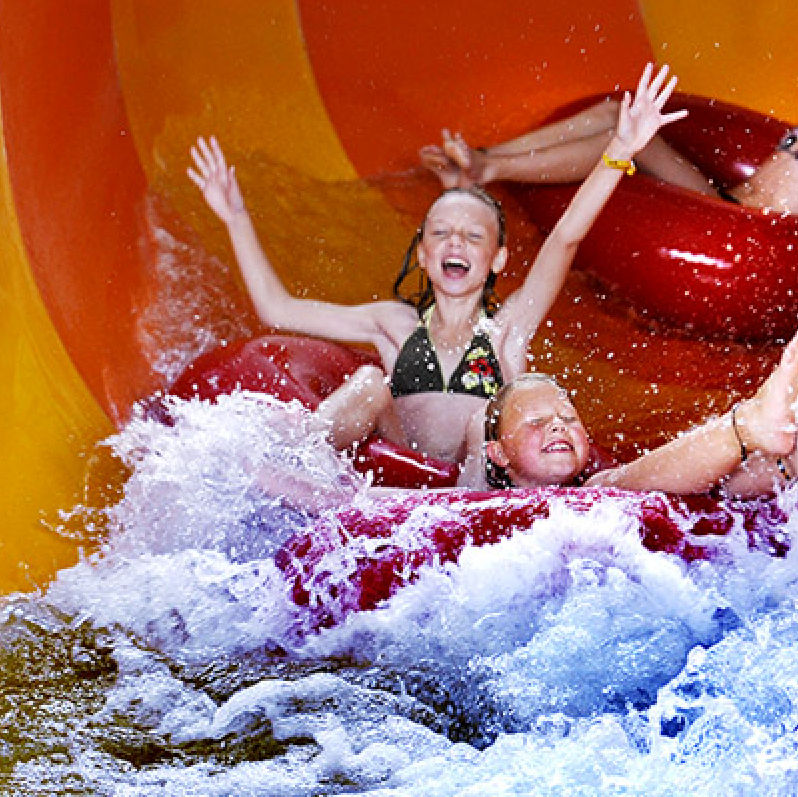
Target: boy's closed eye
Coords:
[[545, 420]]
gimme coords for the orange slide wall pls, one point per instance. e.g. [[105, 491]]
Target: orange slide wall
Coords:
[[99, 101]]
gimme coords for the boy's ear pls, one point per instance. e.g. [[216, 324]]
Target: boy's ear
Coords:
[[499, 260], [495, 453]]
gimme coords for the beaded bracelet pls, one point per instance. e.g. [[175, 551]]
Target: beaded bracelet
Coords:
[[743, 448], [785, 474], [630, 167], [783, 470]]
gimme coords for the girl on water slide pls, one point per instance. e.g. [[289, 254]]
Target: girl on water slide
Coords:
[[447, 349], [529, 435]]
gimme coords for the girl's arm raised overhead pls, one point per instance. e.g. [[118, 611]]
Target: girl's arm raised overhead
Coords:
[[275, 306], [639, 119]]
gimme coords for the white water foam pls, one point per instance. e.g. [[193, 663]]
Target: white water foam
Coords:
[[587, 664]]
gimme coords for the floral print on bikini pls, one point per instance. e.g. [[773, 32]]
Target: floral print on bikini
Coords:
[[418, 370]]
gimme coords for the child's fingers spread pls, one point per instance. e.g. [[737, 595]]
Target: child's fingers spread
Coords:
[[219, 155], [674, 116], [644, 79], [202, 146], [665, 94], [200, 163], [434, 157], [195, 178], [659, 79], [207, 154], [626, 104]]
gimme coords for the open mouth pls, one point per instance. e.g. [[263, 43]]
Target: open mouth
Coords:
[[455, 267], [558, 447]]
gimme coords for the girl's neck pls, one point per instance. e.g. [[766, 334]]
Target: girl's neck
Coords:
[[455, 314], [451, 325]]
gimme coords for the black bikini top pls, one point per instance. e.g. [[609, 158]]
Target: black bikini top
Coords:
[[418, 370]]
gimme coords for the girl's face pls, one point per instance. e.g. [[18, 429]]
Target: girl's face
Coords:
[[542, 440], [460, 245]]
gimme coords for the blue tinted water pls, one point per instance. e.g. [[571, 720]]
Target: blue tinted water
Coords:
[[569, 660]]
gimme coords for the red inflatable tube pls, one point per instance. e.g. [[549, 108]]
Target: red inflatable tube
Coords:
[[376, 571], [382, 555], [695, 262]]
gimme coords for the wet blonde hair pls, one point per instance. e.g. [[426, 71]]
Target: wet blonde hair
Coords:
[[497, 476]]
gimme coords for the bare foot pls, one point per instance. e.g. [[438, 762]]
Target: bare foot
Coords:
[[438, 162], [767, 420], [472, 162]]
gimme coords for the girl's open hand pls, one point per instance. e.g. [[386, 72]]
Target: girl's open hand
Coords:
[[216, 179], [640, 118]]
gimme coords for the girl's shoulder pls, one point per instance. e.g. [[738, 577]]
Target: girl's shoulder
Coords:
[[395, 319], [392, 311]]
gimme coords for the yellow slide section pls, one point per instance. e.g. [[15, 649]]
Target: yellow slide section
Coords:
[[48, 419], [735, 50]]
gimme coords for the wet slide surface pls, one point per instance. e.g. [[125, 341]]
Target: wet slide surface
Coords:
[[113, 275]]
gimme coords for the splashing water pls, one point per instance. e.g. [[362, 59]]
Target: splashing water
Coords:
[[564, 660]]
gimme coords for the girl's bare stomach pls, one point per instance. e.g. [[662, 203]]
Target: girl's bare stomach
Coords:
[[435, 423]]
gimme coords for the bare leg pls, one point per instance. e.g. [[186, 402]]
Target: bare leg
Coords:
[[362, 405], [570, 161], [561, 152], [565, 163], [589, 122], [455, 156], [300, 489], [661, 160]]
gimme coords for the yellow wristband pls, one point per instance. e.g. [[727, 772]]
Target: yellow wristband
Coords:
[[625, 166]]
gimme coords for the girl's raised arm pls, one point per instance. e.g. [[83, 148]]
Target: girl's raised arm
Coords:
[[638, 122], [275, 306]]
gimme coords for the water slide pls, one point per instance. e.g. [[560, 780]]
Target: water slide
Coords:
[[323, 106]]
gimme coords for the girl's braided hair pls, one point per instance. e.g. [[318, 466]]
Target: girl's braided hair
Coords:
[[423, 297]]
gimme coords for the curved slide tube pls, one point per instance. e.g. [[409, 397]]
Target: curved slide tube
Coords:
[[698, 262], [100, 100]]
